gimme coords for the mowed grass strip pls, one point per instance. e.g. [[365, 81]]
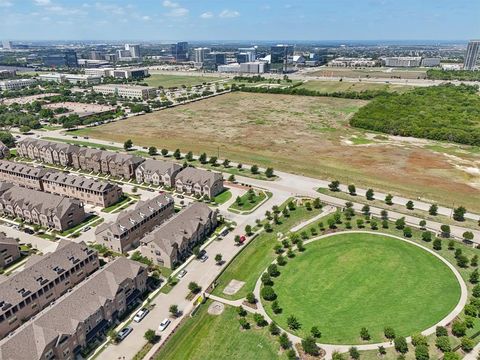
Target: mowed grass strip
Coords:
[[258, 254], [341, 86], [218, 337], [345, 282], [169, 81]]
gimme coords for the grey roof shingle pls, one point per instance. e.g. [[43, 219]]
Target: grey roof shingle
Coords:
[[5, 240], [67, 148], [19, 168], [161, 167], [30, 340], [180, 227], [191, 175], [77, 181]]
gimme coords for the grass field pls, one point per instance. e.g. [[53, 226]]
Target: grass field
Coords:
[[303, 135], [248, 202], [168, 81], [218, 337], [374, 72], [223, 197], [333, 86], [346, 282], [257, 255]]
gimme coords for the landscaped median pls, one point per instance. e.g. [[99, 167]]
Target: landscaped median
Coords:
[[250, 201]]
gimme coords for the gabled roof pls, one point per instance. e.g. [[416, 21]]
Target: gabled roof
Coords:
[[30, 340], [191, 175], [160, 167], [24, 169], [78, 181]]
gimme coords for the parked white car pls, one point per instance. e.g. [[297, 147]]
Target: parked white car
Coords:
[[164, 324], [140, 315]]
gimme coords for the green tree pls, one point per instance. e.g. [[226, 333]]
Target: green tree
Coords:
[[352, 190], [334, 185], [427, 236], [467, 344], [445, 231], [459, 328], [364, 334], [203, 158], [189, 156], [218, 258], [251, 298], [241, 311], [177, 154], [24, 129], [433, 210], [468, 235], [293, 323], [150, 336], [370, 195], [254, 169], [276, 308], [400, 344], [164, 152], [173, 310], [409, 205], [127, 145], [310, 346], [152, 151], [284, 341], [422, 224], [316, 333], [268, 293], [437, 244], [389, 333], [354, 353], [269, 172], [459, 213], [400, 223], [421, 352], [389, 199], [407, 232], [194, 287], [274, 329], [443, 343]]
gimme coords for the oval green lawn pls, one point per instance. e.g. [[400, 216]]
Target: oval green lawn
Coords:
[[345, 282]]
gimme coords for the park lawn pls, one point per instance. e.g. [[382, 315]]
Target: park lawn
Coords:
[[218, 337], [248, 265], [375, 72], [349, 281], [169, 81], [344, 86], [246, 203], [223, 197]]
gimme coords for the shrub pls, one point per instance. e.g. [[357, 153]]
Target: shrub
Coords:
[[451, 356], [310, 346], [266, 279], [284, 341], [400, 344], [244, 323], [241, 311], [421, 352], [427, 236], [443, 343], [419, 339], [476, 291], [316, 333], [251, 298], [364, 334], [274, 329], [389, 333], [441, 331], [467, 344], [194, 287], [259, 320], [268, 293], [437, 244], [354, 353], [276, 308], [459, 328], [293, 323], [273, 270]]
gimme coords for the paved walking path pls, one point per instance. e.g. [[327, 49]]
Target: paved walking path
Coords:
[[331, 348], [325, 211]]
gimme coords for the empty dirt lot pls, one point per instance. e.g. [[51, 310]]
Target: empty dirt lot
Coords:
[[305, 135]]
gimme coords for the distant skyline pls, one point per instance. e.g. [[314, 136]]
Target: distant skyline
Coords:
[[161, 20]]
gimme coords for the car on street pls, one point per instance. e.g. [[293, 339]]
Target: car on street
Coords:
[[164, 324], [86, 228], [140, 314], [203, 257], [28, 231], [85, 137], [75, 137], [180, 196], [181, 273], [122, 334]]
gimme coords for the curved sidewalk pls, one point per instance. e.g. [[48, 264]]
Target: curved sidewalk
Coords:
[[330, 348]]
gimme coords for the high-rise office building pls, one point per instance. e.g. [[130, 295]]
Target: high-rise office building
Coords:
[[180, 51], [246, 55], [473, 50], [134, 50], [7, 45], [279, 57], [199, 54], [66, 59]]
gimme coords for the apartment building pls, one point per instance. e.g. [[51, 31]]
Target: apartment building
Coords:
[[4, 151], [71, 78], [106, 162], [22, 174], [128, 91], [130, 226], [16, 84], [172, 242], [9, 250], [47, 151], [403, 61], [78, 318], [199, 182], [44, 279], [37, 207], [157, 172], [91, 191]]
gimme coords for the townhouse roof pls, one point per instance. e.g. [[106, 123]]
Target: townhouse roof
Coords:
[[179, 228], [5, 240], [128, 219], [99, 155], [67, 148], [24, 169], [40, 271], [78, 181], [191, 175], [160, 167], [54, 323], [41, 202]]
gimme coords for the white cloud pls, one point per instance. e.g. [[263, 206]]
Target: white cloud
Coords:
[[5, 3], [42, 2], [207, 15], [111, 9], [229, 14], [146, 18], [170, 4]]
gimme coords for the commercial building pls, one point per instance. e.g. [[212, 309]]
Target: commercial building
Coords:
[[130, 226], [246, 55], [279, 57], [180, 51], [430, 62], [403, 61], [230, 68], [37, 207], [16, 84], [43, 280], [130, 73], [352, 62], [9, 250], [128, 91], [90, 191], [81, 316], [199, 54], [199, 182], [66, 59], [257, 67], [71, 78], [471, 57], [134, 50], [7, 73], [157, 172], [7, 45], [4, 151], [173, 241]]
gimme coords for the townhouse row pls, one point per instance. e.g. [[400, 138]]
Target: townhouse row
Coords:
[[189, 180], [78, 318], [37, 207], [90, 191], [43, 280], [158, 232], [9, 250]]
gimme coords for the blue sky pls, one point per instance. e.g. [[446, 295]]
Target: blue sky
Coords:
[[239, 20]]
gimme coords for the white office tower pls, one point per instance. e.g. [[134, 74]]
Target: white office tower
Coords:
[[473, 49]]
